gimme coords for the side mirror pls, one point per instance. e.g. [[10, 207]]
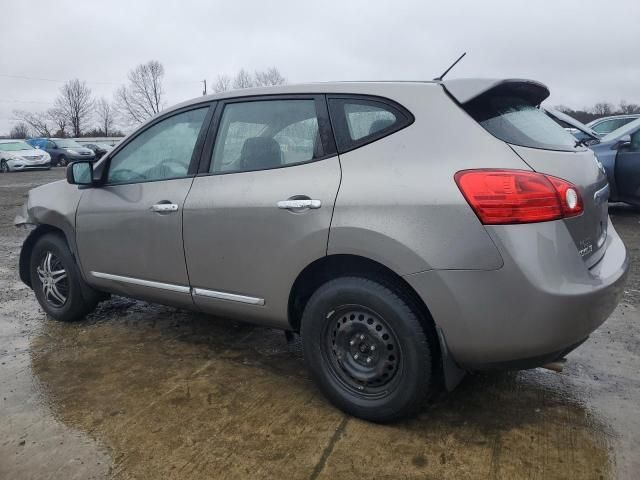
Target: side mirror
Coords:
[[80, 173], [624, 141]]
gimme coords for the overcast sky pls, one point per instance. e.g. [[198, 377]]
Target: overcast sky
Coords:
[[585, 51]]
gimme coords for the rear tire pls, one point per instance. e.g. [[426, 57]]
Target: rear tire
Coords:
[[366, 349], [56, 280]]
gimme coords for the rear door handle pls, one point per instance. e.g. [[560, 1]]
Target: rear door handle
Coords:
[[164, 207], [299, 204]]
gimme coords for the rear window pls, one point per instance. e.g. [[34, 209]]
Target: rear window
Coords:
[[514, 120]]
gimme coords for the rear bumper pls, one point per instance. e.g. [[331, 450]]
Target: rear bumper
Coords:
[[538, 306]]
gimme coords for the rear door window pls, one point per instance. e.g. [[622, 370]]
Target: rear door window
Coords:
[[260, 135], [358, 121]]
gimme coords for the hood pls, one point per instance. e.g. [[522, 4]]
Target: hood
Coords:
[[33, 152]]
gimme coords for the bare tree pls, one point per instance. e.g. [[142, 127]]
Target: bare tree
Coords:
[[268, 77], [142, 98], [39, 122], [19, 130], [629, 108], [75, 103], [60, 119], [222, 83], [105, 114], [603, 108], [243, 80]]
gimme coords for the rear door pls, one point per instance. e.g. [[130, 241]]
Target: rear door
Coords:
[[627, 170], [260, 209]]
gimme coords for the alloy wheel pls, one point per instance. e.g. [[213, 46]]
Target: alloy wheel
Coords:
[[53, 279]]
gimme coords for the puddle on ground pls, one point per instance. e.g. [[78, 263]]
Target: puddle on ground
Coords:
[[174, 394]]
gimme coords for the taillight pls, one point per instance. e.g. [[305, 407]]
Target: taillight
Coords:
[[517, 196]]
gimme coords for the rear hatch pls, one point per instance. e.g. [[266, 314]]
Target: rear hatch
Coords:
[[510, 110]]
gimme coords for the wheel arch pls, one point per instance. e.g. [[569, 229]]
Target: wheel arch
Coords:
[[333, 266]]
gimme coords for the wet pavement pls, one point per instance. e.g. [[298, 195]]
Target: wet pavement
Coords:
[[145, 391]]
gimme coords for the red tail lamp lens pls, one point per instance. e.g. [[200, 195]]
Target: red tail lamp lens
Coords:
[[517, 196]]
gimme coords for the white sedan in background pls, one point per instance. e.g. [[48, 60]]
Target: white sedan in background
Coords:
[[19, 155]]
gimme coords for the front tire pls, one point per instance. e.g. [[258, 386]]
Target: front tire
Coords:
[[56, 280], [367, 350], [4, 167], [62, 161]]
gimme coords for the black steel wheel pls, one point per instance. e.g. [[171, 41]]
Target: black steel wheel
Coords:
[[362, 351], [368, 348]]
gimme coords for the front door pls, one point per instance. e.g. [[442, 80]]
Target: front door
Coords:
[[628, 170], [261, 209], [129, 230]]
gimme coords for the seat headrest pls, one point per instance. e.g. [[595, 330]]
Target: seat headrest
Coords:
[[381, 124], [259, 153]]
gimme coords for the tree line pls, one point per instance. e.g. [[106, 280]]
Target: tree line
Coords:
[[600, 109], [77, 113]]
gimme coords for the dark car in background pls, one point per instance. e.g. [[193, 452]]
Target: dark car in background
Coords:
[[619, 153], [98, 148], [62, 150]]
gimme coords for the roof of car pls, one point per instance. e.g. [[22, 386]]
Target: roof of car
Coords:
[[463, 89], [613, 117], [11, 140]]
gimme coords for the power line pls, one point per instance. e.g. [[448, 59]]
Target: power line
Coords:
[[24, 77], [39, 79], [3, 100]]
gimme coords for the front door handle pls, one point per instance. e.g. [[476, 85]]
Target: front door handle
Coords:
[[299, 204], [164, 207]]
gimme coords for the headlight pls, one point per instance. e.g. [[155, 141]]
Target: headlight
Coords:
[[72, 151]]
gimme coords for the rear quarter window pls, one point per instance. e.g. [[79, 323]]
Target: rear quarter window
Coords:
[[358, 121], [516, 121]]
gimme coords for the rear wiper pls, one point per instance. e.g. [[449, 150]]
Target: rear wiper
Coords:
[[580, 142]]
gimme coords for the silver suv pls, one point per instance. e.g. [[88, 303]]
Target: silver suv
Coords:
[[408, 231]]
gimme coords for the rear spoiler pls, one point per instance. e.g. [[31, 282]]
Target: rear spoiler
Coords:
[[465, 90]]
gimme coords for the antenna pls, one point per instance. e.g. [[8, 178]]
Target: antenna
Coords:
[[448, 69]]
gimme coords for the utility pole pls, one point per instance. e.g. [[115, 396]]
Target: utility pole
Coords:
[[204, 92]]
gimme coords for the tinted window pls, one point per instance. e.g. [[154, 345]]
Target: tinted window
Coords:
[[359, 121], [516, 121], [266, 134], [160, 152]]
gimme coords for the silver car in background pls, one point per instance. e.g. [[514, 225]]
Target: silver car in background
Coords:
[[409, 231], [19, 155]]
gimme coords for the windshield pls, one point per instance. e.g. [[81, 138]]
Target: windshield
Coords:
[[14, 146], [622, 131], [64, 143]]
